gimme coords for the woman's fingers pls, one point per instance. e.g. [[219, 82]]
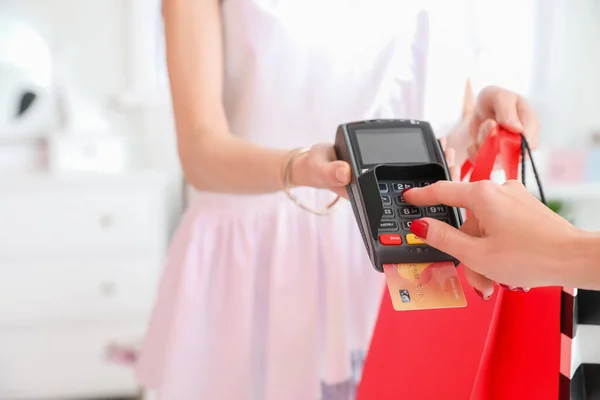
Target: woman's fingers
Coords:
[[455, 173], [483, 286], [337, 173], [322, 169], [500, 105], [505, 111], [472, 151], [450, 156], [443, 143], [453, 194], [445, 237], [462, 243], [531, 122], [340, 191], [452, 168], [485, 129]]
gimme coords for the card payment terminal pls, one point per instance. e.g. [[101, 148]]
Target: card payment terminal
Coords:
[[386, 157]]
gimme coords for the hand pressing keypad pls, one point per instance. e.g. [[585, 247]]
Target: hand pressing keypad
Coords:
[[394, 228]]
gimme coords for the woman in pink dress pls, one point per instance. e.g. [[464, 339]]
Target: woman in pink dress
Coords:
[[260, 299]]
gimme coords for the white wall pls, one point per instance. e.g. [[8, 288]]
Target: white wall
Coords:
[[568, 62], [567, 91]]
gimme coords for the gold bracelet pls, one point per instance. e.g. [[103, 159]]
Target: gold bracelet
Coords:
[[329, 208]]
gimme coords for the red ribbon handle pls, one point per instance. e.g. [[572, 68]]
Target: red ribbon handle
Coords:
[[499, 141]]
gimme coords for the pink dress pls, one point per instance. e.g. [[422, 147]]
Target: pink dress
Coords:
[[261, 300]]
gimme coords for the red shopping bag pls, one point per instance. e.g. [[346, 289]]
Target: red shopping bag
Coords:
[[505, 348]]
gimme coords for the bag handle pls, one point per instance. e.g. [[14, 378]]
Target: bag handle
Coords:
[[512, 148]]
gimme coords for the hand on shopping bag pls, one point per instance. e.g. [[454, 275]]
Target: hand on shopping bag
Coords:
[[497, 106], [511, 238], [320, 168]]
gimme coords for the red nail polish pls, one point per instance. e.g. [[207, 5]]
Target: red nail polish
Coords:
[[419, 228], [503, 286], [405, 190], [479, 293]]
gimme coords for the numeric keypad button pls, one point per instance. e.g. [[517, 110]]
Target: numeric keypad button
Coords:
[[392, 239], [436, 211], [383, 188], [401, 186], [387, 200], [406, 225], [388, 213], [388, 226], [409, 212]]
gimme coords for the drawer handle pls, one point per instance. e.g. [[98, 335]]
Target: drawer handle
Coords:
[[106, 221], [108, 288], [122, 354]]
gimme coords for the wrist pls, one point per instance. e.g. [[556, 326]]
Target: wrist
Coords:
[[291, 170], [581, 261]]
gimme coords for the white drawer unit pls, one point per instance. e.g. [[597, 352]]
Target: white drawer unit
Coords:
[[65, 362], [76, 291], [80, 261], [79, 214]]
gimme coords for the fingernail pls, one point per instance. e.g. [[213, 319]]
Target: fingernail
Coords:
[[405, 190], [513, 288], [481, 294], [419, 228], [340, 174]]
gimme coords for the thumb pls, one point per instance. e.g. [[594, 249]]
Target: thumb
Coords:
[[335, 173], [443, 237], [483, 286], [321, 169]]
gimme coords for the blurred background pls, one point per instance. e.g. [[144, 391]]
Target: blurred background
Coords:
[[91, 190]]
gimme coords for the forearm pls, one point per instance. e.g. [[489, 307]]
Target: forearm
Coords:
[[581, 267], [227, 164], [212, 159]]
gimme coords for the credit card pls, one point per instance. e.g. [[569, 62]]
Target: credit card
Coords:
[[424, 286]]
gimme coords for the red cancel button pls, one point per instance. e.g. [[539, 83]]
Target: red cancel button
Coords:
[[390, 239]]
